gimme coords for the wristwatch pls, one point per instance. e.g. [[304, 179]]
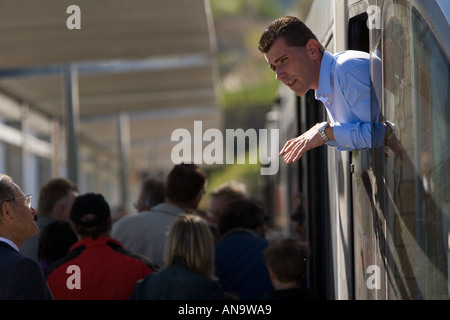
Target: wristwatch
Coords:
[[321, 130], [391, 134], [392, 127]]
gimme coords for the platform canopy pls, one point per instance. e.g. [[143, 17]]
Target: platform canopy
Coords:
[[151, 61]]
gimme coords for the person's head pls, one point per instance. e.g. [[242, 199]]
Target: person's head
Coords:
[[17, 216], [286, 260], [185, 185], [91, 216], [222, 195], [151, 193], [293, 53], [242, 214], [190, 238], [55, 241], [56, 198]]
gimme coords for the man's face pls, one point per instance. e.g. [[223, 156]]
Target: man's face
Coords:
[[23, 218], [62, 208], [216, 206], [296, 67], [70, 200]]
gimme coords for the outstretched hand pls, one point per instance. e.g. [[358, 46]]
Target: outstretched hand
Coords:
[[295, 148]]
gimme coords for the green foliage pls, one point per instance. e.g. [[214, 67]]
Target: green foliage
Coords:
[[248, 87], [245, 173], [247, 80], [249, 174], [260, 8], [260, 94]]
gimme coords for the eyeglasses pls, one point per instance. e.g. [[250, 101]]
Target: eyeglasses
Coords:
[[27, 200]]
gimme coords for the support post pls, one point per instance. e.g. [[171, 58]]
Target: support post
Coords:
[[124, 149], [72, 120]]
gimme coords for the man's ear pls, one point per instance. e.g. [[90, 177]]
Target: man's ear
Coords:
[[272, 274], [199, 196], [6, 210], [60, 211], [312, 46]]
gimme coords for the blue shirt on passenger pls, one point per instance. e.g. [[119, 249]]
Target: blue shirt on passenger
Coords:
[[345, 90]]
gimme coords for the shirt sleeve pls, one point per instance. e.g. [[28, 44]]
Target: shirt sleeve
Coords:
[[357, 136], [367, 131]]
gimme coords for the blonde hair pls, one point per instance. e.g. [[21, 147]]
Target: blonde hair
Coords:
[[190, 238]]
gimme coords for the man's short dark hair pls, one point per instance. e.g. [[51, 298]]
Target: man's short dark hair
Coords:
[[241, 214], [90, 215], [291, 29], [184, 182], [287, 258], [152, 193], [53, 191], [232, 190]]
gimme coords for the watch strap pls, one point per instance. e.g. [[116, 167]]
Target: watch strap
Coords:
[[321, 130]]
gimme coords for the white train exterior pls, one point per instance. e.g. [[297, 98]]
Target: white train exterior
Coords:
[[378, 226]]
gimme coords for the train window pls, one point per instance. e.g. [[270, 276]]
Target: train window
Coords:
[[416, 89], [358, 33]]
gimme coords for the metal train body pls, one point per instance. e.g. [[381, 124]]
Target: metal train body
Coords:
[[378, 226]]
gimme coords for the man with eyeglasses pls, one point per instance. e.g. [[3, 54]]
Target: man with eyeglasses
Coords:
[[21, 278]]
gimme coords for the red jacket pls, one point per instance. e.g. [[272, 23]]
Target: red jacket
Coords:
[[99, 269]]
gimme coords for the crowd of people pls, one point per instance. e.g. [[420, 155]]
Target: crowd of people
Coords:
[[169, 249], [166, 250]]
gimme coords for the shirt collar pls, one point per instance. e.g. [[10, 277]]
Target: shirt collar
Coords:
[[12, 244], [90, 242], [168, 208], [325, 74]]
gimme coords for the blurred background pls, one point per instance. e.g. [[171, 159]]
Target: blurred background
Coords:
[[98, 104]]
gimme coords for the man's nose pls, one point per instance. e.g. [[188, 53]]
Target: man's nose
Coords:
[[280, 74]]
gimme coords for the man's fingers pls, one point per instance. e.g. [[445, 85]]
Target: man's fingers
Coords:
[[296, 153], [294, 149], [287, 147]]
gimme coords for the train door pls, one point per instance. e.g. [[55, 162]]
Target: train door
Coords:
[[367, 219], [313, 188], [350, 32], [401, 199]]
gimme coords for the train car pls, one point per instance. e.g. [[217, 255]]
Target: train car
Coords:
[[378, 222]]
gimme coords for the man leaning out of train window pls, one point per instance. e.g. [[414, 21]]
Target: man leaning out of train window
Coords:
[[341, 81]]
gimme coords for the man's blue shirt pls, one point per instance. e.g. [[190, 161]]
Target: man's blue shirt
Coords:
[[345, 90]]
